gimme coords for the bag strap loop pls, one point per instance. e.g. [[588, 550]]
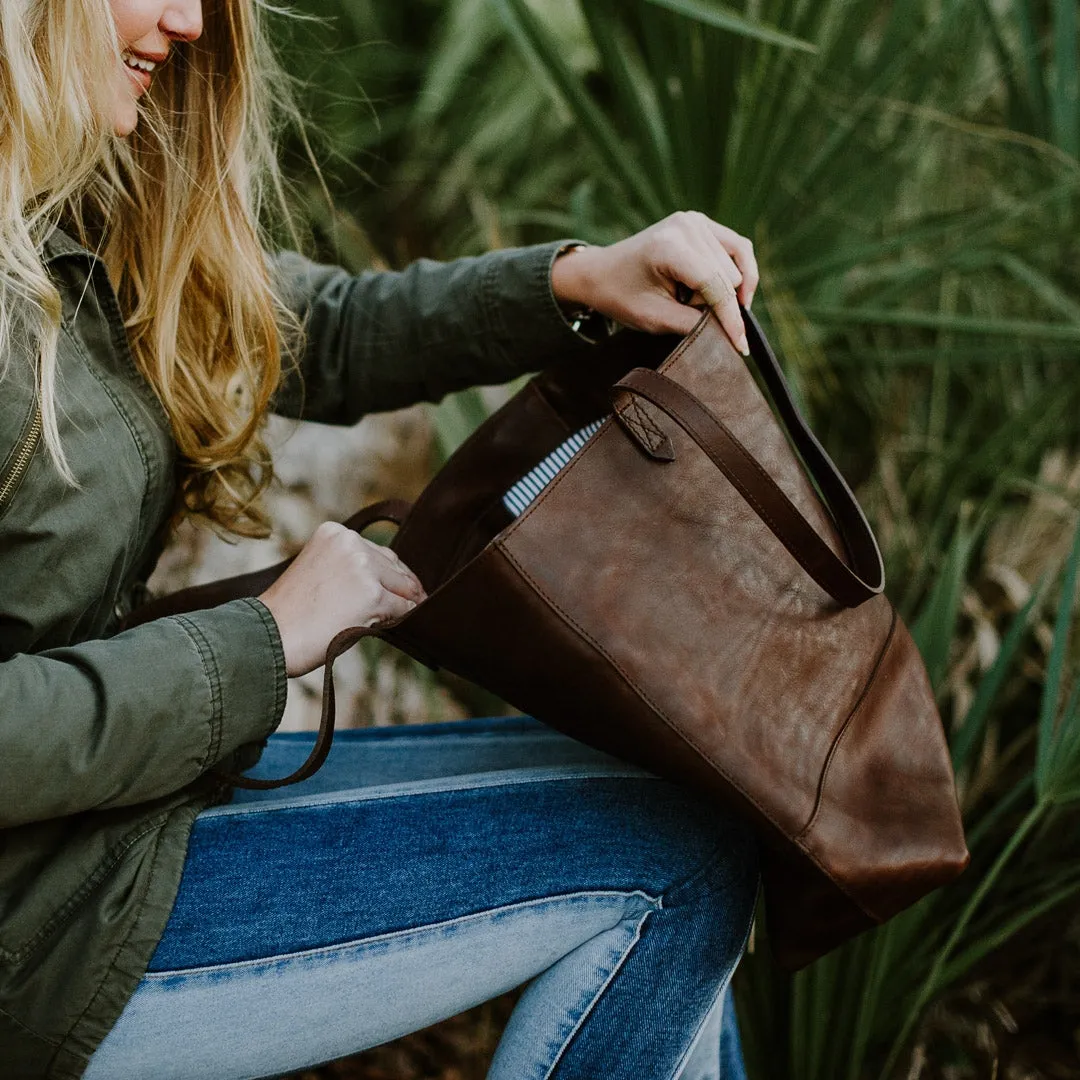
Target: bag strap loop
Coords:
[[324, 739], [235, 588], [848, 586]]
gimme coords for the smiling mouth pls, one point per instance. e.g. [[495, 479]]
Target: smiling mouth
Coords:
[[139, 63], [139, 68]]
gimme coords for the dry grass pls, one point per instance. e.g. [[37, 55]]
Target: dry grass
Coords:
[[1019, 1020]]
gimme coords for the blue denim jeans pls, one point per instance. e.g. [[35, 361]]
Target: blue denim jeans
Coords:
[[428, 868]]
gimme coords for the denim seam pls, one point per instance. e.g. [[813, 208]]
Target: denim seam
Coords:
[[499, 778], [596, 997], [681, 1064], [396, 935]]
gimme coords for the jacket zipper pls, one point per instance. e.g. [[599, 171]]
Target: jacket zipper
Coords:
[[14, 469]]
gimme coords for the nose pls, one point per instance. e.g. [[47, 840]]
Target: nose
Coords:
[[182, 19]]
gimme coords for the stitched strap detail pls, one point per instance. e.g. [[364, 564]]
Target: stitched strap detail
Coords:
[[644, 429]]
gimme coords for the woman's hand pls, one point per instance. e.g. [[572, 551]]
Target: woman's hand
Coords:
[[338, 580], [638, 280]]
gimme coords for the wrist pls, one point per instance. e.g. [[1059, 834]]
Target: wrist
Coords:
[[573, 287], [571, 283]]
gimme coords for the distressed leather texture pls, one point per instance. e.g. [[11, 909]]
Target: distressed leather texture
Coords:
[[699, 611]]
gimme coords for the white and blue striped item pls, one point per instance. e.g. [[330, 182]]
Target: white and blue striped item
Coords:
[[517, 499]]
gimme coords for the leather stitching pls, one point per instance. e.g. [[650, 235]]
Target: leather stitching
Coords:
[[855, 710], [632, 683], [638, 432], [644, 425]]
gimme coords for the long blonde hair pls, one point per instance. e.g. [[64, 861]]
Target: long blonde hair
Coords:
[[176, 211]]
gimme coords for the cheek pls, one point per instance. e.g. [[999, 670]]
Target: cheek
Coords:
[[135, 18]]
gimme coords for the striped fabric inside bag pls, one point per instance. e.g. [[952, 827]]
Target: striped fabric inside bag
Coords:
[[518, 498]]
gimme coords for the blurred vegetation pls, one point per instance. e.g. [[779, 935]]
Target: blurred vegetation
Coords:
[[909, 171]]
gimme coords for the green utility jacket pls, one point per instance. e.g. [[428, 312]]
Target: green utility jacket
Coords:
[[106, 739]]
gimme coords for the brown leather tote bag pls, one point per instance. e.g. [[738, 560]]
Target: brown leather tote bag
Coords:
[[681, 596]]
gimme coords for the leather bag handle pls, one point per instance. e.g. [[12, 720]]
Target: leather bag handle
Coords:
[[848, 586], [235, 588], [324, 739]]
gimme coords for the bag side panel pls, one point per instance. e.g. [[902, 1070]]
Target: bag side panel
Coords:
[[490, 626], [888, 823]]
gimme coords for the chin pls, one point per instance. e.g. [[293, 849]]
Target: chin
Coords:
[[125, 122], [125, 110]]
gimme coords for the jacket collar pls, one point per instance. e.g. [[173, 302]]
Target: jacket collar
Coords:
[[59, 244]]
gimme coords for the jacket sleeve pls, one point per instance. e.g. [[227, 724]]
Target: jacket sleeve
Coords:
[[119, 721], [383, 340]]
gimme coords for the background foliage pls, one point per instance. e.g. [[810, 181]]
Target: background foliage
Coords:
[[910, 173]]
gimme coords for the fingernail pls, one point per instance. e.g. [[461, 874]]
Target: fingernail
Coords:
[[744, 346], [411, 603]]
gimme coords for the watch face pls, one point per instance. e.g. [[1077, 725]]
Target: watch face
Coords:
[[589, 324]]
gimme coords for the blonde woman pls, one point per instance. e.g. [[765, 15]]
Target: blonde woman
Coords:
[[153, 924]]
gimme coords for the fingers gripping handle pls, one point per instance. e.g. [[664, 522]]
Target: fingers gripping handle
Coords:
[[199, 597], [234, 588], [395, 510], [848, 586]]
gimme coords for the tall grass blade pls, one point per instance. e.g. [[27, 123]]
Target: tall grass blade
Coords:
[[1012, 73], [935, 628], [933, 984], [966, 738], [1029, 32], [723, 18], [545, 52], [931, 320], [1065, 79], [1004, 930], [1047, 758]]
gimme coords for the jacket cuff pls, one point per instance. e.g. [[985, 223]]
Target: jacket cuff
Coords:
[[516, 288], [244, 665]]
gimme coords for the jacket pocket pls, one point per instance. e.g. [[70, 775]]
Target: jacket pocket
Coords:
[[53, 869], [17, 463]]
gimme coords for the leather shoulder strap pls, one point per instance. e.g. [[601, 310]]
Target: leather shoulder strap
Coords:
[[849, 586]]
